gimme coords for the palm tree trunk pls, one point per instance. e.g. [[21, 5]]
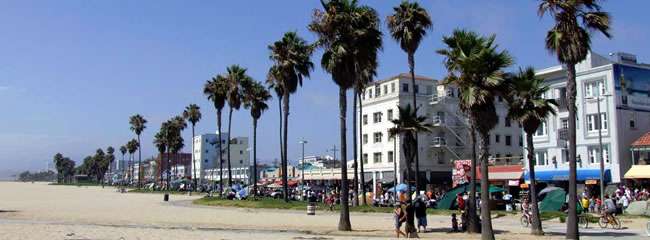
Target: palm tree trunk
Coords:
[[160, 168], [363, 178], [415, 108], [193, 162], [219, 149], [471, 207], [139, 162], [169, 170], [281, 133], [132, 168], [229, 137], [536, 228], [355, 182], [344, 221], [487, 233], [254, 157], [285, 163], [572, 223]]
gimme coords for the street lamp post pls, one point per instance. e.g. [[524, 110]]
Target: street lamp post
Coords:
[[600, 144], [302, 162]]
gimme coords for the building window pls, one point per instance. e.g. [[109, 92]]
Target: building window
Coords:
[[632, 124], [592, 122], [405, 87], [365, 158], [507, 122], [594, 88], [241, 152], [364, 119], [541, 130], [376, 117], [389, 113], [376, 157], [377, 137], [429, 89], [391, 156], [392, 87], [564, 123], [241, 161], [521, 140], [541, 158], [416, 88], [369, 92], [508, 140], [593, 154], [497, 138], [377, 91], [365, 138], [385, 89]]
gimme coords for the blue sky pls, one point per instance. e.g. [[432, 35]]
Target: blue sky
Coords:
[[73, 71]]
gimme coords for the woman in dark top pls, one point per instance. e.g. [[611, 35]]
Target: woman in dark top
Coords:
[[411, 231]]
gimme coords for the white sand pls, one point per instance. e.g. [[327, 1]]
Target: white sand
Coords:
[[67, 212]]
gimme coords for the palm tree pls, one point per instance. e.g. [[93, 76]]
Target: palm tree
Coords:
[[193, 114], [216, 90], [176, 146], [255, 98], [235, 75], [274, 80], [475, 66], [528, 107], [132, 146], [123, 151], [408, 25], [570, 40], [138, 124], [407, 127], [351, 39], [161, 145], [365, 77], [291, 63]]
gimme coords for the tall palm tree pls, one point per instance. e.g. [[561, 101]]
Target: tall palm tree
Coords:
[[177, 143], [234, 76], [255, 98], [193, 114], [138, 124], [408, 25], [407, 127], [161, 145], [366, 76], [475, 65], [274, 80], [570, 41], [216, 90], [351, 39], [291, 63], [528, 107], [132, 146], [123, 151]]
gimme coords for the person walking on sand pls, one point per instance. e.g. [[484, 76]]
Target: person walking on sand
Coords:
[[421, 214], [398, 217]]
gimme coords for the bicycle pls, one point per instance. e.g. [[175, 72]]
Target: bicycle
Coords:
[[583, 220], [525, 219], [609, 219]]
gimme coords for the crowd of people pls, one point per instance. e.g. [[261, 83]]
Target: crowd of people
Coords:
[[614, 202]]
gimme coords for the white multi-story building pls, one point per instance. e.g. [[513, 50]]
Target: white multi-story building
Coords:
[[206, 147], [447, 142], [622, 88]]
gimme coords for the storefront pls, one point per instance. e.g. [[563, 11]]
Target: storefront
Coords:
[[508, 177]]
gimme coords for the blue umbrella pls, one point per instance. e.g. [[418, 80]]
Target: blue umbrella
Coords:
[[401, 188]]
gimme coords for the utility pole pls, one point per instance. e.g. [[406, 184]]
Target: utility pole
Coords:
[[600, 142], [302, 163]]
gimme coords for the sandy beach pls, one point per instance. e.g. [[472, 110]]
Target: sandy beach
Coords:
[[41, 211]]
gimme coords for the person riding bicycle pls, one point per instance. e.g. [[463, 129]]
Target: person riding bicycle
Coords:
[[609, 207]]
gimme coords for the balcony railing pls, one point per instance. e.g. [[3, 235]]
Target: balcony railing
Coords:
[[439, 142]]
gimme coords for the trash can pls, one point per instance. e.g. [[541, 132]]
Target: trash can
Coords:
[[166, 198], [311, 209]]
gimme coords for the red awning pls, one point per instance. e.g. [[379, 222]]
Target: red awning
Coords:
[[503, 172]]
